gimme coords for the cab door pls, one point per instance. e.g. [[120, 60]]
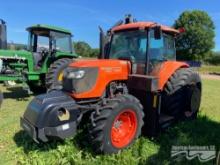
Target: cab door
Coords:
[[155, 53]]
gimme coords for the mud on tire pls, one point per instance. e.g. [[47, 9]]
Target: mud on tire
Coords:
[[122, 111]]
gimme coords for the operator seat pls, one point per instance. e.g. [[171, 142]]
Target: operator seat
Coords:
[[38, 56]]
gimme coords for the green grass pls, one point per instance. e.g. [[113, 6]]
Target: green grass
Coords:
[[17, 148], [209, 69]]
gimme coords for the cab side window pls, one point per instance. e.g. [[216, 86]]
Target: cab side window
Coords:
[[155, 48], [169, 47]]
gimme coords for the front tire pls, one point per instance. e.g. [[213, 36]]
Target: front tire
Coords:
[[54, 75], [117, 124], [182, 95]]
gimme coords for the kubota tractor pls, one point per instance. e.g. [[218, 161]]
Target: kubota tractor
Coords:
[[136, 83]]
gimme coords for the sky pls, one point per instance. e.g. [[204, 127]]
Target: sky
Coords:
[[83, 17]]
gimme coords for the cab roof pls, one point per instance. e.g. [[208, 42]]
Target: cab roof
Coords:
[[143, 25], [48, 27]]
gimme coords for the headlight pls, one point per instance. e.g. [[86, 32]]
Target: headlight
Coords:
[[76, 74]]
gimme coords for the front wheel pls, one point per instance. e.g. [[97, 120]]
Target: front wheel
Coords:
[[54, 77], [117, 124]]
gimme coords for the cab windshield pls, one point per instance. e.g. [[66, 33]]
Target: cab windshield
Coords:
[[129, 44], [49, 40], [142, 48], [61, 42]]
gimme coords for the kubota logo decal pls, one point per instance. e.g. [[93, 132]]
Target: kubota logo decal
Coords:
[[111, 69]]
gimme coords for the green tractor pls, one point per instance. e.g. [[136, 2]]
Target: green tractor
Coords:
[[40, 65]]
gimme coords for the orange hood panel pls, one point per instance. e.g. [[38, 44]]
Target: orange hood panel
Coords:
[[108, 71]]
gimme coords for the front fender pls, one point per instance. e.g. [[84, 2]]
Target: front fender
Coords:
[[166, 71]]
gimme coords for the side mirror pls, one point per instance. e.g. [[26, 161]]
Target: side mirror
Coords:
[[157, 32]]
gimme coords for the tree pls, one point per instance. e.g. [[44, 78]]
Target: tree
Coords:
[[82, 48], [94, 52], [213, 59], [198, 39]]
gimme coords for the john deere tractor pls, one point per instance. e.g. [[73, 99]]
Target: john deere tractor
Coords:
[[48, 52], [136, 86]]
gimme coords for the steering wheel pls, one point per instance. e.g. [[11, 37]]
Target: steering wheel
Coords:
[[43, 51]]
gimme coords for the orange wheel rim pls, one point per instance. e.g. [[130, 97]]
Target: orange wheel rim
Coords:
[[124, 128]]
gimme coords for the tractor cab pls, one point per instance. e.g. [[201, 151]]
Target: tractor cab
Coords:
[[46, 40], [146, 44]]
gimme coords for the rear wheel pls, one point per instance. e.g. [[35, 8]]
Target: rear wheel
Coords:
[[54, 76], [182, 94], [117, 124]]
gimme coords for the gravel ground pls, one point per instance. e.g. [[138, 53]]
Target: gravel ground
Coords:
[[210, 76]]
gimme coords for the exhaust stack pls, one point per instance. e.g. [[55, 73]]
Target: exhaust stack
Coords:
[[3, 34]]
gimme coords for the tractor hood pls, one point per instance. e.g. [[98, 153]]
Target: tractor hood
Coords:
[[14, 54], [89, 78]]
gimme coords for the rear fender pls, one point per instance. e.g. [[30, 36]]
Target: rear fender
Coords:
[[166, 71]]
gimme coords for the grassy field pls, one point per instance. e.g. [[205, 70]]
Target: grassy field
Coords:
[[17, 148], [209, 69]]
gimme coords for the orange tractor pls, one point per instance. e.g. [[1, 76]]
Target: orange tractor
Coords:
[[134, 86]]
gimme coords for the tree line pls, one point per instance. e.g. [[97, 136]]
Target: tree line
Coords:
[[84, 49]]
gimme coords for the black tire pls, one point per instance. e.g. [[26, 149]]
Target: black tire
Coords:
[[182, 94], [54, 71], [102, 123]]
